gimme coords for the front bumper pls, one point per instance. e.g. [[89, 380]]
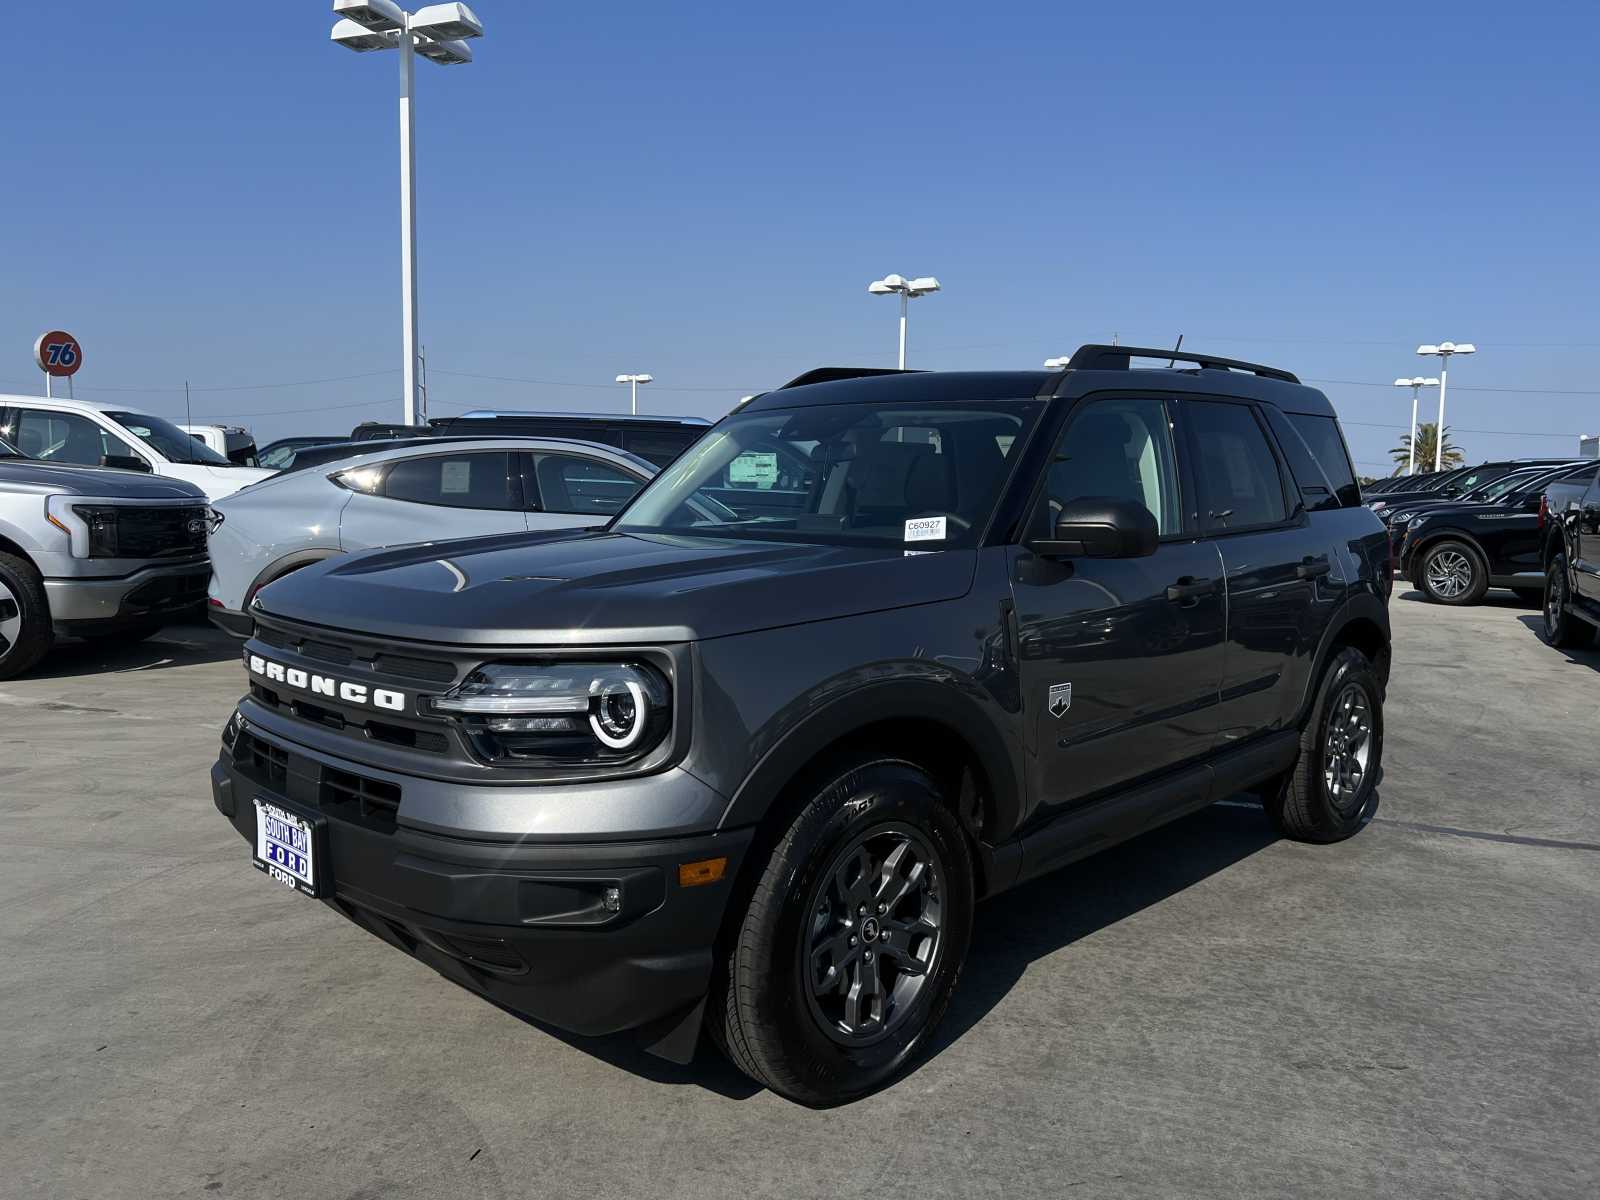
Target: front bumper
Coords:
[[234, 624], [88, 604], [525, 925]]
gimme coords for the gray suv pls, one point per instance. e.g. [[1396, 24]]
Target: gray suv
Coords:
[[93, 553], [873, 649]]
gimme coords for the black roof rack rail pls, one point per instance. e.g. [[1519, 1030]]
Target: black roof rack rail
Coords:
[[1115, 358], [833, 374]]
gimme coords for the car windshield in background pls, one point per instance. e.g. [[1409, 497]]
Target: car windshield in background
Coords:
[[171, 442], [921, 476]]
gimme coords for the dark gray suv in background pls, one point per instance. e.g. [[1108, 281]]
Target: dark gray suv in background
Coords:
[[872, 649]]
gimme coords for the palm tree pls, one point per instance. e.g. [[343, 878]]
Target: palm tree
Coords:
[[1452, 456]]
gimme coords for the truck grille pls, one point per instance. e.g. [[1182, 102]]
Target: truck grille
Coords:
[[165, 532]]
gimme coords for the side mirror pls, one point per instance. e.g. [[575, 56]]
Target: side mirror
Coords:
[[1101, 528], [125, 462]]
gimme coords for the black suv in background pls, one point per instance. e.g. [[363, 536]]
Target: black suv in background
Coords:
[[655, 439], [745, 759], [1570, 517], [1455, 551]]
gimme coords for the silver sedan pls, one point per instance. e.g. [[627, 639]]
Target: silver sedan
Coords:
[[431, 491]]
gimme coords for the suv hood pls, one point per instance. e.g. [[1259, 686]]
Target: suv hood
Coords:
[[594, 588], [19, 475]]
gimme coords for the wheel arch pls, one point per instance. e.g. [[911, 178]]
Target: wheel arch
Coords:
[[286, 565], [1364, 624], [15, 549], [1450, 534], [934, 725]]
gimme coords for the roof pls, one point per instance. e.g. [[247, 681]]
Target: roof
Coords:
[[490, 414], [63, 403]]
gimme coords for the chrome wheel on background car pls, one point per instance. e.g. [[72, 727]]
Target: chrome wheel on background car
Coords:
[[1449, 574], [1452, 573], [10, 618], [1561, 629], [875, 935], [1347, 745], [25, 629]]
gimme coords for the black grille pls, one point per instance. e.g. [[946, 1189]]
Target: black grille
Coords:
[[160, 532], [168, 592], [262, 762], [379, 731], [359, 800]]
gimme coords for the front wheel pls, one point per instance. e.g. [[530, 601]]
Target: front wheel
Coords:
[[1561, 628], [1452, 573], [846, 957], [26, 633], [1331, 788]]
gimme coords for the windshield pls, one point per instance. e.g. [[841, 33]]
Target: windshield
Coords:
[[168, 440], [921, 476], [1515, 482]]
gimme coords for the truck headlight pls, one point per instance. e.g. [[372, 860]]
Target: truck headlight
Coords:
[[92, 528], [564, 711], [1401, 518]]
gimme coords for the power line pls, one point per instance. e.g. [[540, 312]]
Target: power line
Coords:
[[236, 387], [284, 412], [608, 387], [1454, 429], [1463, 387]]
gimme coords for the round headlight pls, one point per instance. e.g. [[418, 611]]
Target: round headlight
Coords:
[[620, 712]]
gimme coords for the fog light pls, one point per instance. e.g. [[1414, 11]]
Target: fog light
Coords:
[[613, 899]]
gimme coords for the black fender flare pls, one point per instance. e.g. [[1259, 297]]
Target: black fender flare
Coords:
[[961, 707], [1450, 533], [1363, 606], [272, 572]]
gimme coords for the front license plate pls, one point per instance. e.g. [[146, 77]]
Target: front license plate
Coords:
[[289, 848]]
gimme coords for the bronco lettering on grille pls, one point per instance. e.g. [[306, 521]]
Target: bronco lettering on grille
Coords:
[[324, 685]]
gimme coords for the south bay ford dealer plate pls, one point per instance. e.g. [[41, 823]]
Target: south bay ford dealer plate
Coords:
[[291, 847]]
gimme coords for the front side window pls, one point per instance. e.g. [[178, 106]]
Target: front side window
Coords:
[[922, 476], [1114, 450], [1240, 486], [479, 480], [571, 484], [67, 437], [172, 443], [278, 457]]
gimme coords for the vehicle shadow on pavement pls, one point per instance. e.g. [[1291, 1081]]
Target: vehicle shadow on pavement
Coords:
[[1574, 655], [1493, 598], [1044, 916], [184, 644]]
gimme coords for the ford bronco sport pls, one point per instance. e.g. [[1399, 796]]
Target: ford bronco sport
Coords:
[[873, 649]]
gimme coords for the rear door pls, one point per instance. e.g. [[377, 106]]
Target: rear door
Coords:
[[1280, 570], [1586, 571], [1119, 659], [566, 491], [434, 497]]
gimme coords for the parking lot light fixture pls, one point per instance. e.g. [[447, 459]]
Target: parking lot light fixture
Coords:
[[1416, 385], [634, 381], [1444, 352], [907, 290], [436, 32]]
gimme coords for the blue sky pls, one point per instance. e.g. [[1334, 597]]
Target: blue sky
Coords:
[[208, 191]]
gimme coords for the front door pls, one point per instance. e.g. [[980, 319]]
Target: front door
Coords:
[[1119, 659]]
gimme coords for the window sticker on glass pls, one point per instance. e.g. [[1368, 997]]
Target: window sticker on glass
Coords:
[[757, 468], [455, 478], [925, 529]]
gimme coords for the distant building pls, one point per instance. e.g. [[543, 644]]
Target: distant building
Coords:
[[1589, 445]]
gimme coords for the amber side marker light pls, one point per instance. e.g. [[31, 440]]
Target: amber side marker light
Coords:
[[707, 870]]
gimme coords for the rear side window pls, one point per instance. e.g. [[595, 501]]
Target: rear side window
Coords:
[[1240, 486], [1316, 490], [1322, 435], [478, 480], [570, 484], [659, 446]]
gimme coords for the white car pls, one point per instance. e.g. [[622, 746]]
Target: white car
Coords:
[[430, 490], [87, 434]]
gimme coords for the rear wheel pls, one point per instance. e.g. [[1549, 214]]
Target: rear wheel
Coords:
[[1328, 793], [845, 959], [1561, 628], [1451, 572], [25, 630]]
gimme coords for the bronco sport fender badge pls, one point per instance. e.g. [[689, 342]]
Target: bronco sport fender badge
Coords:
[[1060, 699]]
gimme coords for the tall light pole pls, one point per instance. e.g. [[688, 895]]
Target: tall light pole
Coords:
[[635, 381], [438, 32], [1444, 351], [1416, 385], [907, 290]]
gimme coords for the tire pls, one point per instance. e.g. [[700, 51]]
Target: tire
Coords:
[[26, 633], [1530, 595], [1451, 572], [1561, 629], [775, 1010], [1322, 800], [128, 636]]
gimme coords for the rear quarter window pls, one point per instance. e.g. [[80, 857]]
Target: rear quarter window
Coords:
[[1319, 438]]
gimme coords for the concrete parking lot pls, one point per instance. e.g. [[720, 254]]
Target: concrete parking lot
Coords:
[[1208, 1011]]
